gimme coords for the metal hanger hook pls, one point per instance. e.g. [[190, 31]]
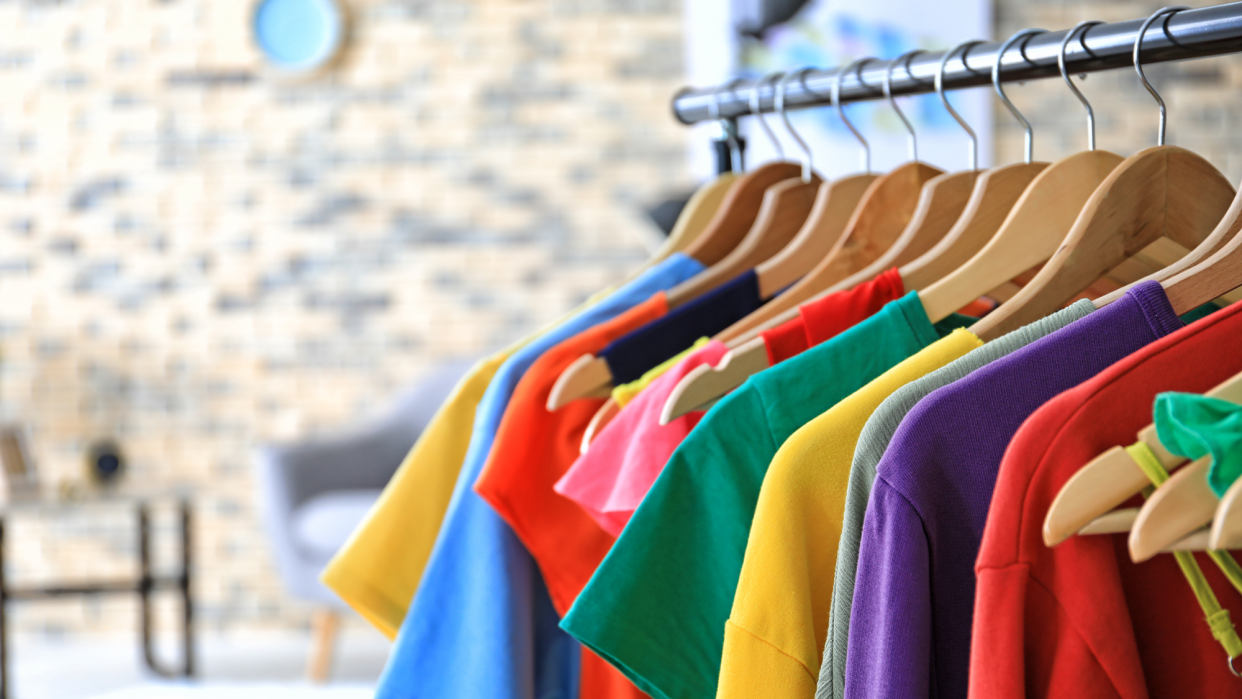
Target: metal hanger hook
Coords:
[[757, 109], [964, 47], [1138, 65], [836, 99], [1084, 26], [996, 82], [888, 94], [779, 104]]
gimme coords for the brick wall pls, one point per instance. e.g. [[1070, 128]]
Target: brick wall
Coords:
[[195, 258]]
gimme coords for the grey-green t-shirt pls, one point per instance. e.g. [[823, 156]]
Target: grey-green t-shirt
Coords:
[[872, 442]]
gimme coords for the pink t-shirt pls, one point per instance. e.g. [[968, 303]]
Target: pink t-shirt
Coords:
[[624, 459]]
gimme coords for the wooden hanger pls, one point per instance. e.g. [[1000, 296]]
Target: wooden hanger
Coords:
[[785, 208], [1227, 522], [1023, 211], [697, 214], [1085, 504], [941, 202], [885, 211], [1161, 191], [603, 416], [988, 202]]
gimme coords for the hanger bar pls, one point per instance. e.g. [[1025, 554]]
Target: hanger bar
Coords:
[[1199, 33]]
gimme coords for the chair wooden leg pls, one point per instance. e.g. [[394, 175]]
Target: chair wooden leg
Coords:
[[323, 630]]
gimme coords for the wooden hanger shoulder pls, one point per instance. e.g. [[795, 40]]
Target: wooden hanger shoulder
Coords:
[[1227, 522], [603, 416], [1112, 478], [1164, 190], [697, 214], [785, 208], [1029, 235], [994, 195], [1218, 274], [1226, 230], [883, 213], [705, 384], [1179, 506], [834, 205], [588, 377], [732, 221]]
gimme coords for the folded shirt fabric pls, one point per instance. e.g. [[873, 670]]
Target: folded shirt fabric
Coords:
[[1194, 426], [624, 459]]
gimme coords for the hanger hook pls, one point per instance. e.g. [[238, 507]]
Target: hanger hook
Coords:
[[996, 82], [1084, 26], [1138, 66], [757, 109], [964, 47], [779, 104], [728, 126], [888, 93], [836, 99]]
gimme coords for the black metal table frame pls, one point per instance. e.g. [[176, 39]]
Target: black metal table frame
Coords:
[[144, 587]]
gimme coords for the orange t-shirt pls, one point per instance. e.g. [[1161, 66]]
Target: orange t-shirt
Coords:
[[533, 449]]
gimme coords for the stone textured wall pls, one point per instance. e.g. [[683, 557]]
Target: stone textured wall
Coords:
[[195, 257]]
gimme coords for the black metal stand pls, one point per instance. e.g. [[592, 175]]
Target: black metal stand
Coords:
[[145, 586]]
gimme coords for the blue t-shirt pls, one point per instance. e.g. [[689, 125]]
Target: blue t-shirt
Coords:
[[481, 623], [633, 354]]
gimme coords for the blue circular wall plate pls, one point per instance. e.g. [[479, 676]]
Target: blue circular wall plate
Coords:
[[299, 36]]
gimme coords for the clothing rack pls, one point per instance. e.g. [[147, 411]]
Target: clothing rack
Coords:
[[1198, 33]]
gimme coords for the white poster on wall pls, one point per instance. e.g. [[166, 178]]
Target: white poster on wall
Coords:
[[829, 33]]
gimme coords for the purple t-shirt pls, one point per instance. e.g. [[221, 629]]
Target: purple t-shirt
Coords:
[[915, 590]]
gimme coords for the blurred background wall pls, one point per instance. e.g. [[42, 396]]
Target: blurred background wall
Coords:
[[196, 257]]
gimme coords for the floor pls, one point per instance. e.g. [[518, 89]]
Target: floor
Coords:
[[253, 666]]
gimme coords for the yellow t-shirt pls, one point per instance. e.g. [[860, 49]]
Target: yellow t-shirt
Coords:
[[378, 569], [626, 392], [775, 635]]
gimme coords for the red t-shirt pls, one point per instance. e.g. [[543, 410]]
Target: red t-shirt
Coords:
[[1080, 619], [532, 450], [826, 318]]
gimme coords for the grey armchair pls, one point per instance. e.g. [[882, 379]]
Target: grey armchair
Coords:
[[314, 493]]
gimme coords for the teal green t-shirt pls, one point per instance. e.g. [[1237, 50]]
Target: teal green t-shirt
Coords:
[[657, 605]]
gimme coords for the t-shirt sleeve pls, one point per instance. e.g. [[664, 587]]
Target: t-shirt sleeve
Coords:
[[785, 340], [379, 568], [890, 621], [657, 605]]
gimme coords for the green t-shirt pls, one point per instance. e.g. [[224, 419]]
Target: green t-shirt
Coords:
[[656, 607]]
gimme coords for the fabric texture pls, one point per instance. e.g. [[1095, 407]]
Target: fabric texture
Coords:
[[626, 392], [1079, 618], [532, 449], [631, 356], [774, 638], [820, 320], [657, 606], [872, 443], [1195, 426], [624, 459], [910, 620], [482, 624]]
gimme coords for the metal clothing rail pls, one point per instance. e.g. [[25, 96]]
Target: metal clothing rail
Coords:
[[1199, 33]]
